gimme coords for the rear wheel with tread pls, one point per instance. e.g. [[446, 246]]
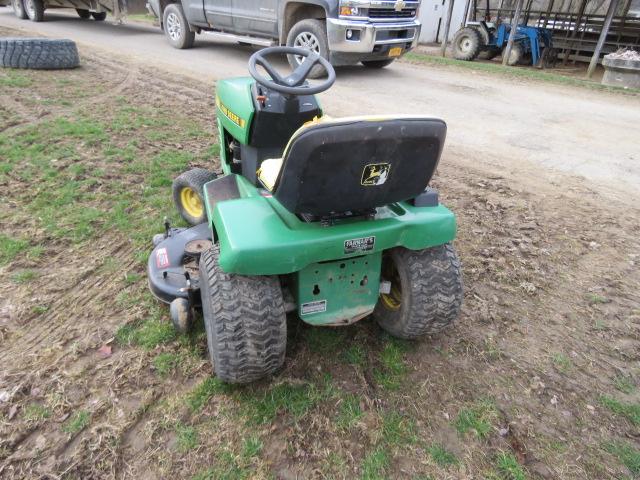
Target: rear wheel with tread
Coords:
[[426, 291], [466, 44], [34, 10], [18, 9], [176, 27], [245, 321], [84, 14], [99, 16], [188, 194]]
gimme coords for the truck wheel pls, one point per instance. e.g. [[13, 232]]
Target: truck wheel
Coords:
[[516, 54], [38, 53], [310, 35], [176, 27], [466, 44], [245, 321], [18, 9], [34, 9], [426, 291], [84, 14], [377, 63], [188, 194], [99, 16]]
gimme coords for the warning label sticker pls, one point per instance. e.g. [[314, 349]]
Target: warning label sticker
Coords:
[[317, 306], [364, 244], [162, 258]]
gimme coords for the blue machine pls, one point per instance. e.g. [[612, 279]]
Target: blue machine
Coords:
[[533, 40]]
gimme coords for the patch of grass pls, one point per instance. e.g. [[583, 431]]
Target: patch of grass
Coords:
[[11, 78], [394, 369], [40, 309], [374, 465], [187, 437], [149, 334], [294, 400], [251, 447], [595, 299], [561, 362], [630, 411], [324, 340], [518, 72], [35, 412], [201, 395], [349, 412], [442, 456], [76, 423], [24, 276], [624, 384], [166, 362], [398, 429], [627, 454], [10, 247], [355, 354], [509, 468], [228, 467], [131, 278], [478, 419]]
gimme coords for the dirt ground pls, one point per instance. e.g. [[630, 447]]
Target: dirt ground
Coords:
[[538, 379]]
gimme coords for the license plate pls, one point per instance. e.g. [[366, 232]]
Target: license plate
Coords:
[[395, 51]]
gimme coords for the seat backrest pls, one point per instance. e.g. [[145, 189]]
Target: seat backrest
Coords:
[[357, 164]]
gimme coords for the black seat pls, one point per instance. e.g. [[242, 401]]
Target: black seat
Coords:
[[355, 165]]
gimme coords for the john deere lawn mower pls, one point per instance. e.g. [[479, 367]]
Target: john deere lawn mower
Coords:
[[330, 218]]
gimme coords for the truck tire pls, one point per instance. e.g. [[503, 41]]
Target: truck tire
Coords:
[[311, 35], [245, 321], [83, 14], [176, 27], [18, 9], [99, 16], [34, 9], [426, 291], [188, 195], [377, 63], [516, 55], [38, 53], [466, 44]]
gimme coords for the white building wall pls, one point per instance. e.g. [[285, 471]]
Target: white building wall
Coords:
[[433, 15]]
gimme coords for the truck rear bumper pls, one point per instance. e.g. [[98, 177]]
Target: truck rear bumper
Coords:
[[349, 36]]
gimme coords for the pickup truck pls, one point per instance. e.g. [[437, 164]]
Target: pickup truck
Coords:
[[373, 32]]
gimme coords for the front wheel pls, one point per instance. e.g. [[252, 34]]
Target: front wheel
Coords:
[[310, 35], [516, 55], [176, 27], [99, 16], [19, 10], [83, 14], [34, 9], [245, 321], [377, 63], [426, 291], [188, 194]]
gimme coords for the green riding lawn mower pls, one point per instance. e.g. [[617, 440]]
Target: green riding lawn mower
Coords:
[[330, 218]]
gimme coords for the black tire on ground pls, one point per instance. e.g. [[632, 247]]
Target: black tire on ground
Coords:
[[99, 16], [18, 9], [489, 54], [84, 14], [309, 34], [426, 291], [466, 44], [377, 63], [34, 9], [176, 27], [516, 55], [245, 321], [194, 180], [38, 53]]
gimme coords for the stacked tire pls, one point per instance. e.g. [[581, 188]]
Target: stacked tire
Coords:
[[38, 53]]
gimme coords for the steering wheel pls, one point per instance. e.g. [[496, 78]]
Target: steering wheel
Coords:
[[294, 83]]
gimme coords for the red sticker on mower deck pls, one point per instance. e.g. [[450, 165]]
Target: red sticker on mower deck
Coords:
[[162, 258]]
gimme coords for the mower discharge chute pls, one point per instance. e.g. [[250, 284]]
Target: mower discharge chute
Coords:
[[330, 218]]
